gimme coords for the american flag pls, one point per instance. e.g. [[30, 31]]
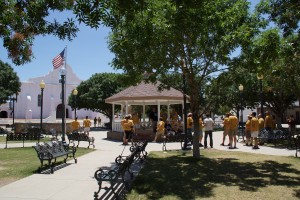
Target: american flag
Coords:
[[58, 60]]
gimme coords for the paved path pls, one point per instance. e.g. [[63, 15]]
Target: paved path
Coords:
[[76, 182]]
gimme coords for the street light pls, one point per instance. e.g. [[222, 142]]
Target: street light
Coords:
[[13, 99], [260, 78], [241, 89], [42, 86], [185, 145], [63, 127], [75, 92]]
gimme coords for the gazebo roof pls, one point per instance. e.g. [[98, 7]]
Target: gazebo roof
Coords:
[[147, 94]]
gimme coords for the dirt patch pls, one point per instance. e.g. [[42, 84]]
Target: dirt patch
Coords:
[[6, 181]]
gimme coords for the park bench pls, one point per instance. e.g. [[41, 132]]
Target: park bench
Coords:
[[117, 183], [176, 138], [21, 137], [50, 151], [3, 131], [274, 136], [80, 137]]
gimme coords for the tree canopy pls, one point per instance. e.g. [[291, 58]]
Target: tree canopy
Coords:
[[9, 82], [192, 37], [93, 92], [21, 21]]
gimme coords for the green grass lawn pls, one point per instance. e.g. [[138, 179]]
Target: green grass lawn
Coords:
[[217, 175], [17, 163]]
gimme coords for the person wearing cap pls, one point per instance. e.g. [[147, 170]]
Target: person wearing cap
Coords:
[[209, 126], [190, 123], [254, 127], [127, 125], [248, 130]]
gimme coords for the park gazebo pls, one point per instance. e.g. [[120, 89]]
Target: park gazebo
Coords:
[[143, 94]]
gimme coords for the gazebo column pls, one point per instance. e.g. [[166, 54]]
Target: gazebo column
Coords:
[[113, 113], [168, 110], [144, 112], [126, 108], [158, 110]]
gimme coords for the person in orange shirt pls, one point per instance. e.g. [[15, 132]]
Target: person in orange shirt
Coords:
[[225, 127], [248, 130], [261, 122], [268, 121], [232, 132], [254, 127], [190, 123], [160, 130], [75, 125], [127, 125], [87, 125], [200, 131]]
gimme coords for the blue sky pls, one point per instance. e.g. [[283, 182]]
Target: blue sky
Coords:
[[87, 54]]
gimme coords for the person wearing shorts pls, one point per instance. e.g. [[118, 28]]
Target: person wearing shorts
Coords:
[[254, 129], [232, 132], [87, 125], [127, 125], [226, 128], [248, 131]]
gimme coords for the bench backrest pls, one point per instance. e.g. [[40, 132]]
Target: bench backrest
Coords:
[[56, 148]]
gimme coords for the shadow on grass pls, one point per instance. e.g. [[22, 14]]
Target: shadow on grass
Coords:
[[188, 178]]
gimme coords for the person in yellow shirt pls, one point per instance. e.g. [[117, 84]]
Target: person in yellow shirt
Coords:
[[190, 123], [268, 121], [248, 130], [200, 131], [261, 122], [87, 125], [254, 127], [75, 126], [232, 130], [160, 130], [127, 125], [225, 127]]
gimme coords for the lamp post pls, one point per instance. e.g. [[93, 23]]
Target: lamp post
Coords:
[[185, 145], [13, 99], [42, 86], [63, 127], [260, 78], [75, 92], [241, 89]]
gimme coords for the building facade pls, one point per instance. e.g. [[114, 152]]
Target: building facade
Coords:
[[28, 104]]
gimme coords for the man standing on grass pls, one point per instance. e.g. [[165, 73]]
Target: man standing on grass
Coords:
[[254, 129]]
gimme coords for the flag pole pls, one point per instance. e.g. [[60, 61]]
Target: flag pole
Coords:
[[65, 92]]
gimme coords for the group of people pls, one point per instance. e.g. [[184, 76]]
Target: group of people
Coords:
[[86, 124], [97, 121]]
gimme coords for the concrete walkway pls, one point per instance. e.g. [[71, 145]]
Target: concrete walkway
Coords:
[[76, 182]]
